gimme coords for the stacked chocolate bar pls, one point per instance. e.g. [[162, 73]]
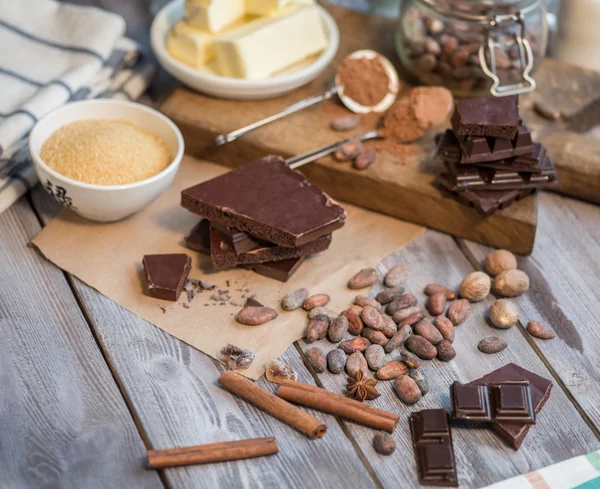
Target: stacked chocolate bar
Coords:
[[489, 156], [263, 216]]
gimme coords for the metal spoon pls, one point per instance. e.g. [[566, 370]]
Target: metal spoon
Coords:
[[388, 100]]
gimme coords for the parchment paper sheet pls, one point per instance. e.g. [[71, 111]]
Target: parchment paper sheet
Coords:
[[108, 257]]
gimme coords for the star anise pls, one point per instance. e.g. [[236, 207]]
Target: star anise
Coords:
[[362, 388]]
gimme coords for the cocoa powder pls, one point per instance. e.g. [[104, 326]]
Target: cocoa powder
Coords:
[[431, 106], [364, 80]]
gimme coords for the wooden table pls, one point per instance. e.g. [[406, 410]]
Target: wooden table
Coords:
[[87, 386]]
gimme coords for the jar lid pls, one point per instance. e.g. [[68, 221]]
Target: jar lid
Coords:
[[480, 11]]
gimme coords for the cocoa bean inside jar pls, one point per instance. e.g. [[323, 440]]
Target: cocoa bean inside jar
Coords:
[[473, 47]]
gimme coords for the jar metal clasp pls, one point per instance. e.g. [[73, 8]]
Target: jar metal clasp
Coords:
[[527, 83]]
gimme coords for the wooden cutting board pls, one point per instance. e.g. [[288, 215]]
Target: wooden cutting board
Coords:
[[400, 187]]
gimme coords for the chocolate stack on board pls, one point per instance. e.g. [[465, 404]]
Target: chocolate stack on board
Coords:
[[263, 216], [489, 156]]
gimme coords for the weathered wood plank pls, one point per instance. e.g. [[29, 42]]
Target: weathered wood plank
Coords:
[[63, 420], [565, 292], [173, 391], [482, 457]]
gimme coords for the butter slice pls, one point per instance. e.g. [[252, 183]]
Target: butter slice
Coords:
[[213, 15], [192, 46], [266, 46], [265, 7]]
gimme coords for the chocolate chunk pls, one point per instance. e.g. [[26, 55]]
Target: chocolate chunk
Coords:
[[199, 237], [432, 444], [166, 274], [492, 116], [268, 200], [278, 270], [224, 256], [240, 241], [515, 433]]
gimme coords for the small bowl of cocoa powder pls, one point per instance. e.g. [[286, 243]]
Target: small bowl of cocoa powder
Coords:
[[106, 159]]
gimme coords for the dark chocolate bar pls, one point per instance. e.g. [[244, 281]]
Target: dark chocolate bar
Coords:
[[267, 199], [224, 256], [199, 237], [279, 270], [505, 401], [434, 451], [491, 116], [166, 274], [515, 433], [481, 149], [240, 241]]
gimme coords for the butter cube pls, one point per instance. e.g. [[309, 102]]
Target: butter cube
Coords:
[[192, 46], [213, 15], [264, 7], [268, 45]]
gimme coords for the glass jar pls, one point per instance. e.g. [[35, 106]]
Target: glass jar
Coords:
[[473, 47]]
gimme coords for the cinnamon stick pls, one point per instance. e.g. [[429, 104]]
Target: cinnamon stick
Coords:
[[214, 452], [280, 409], [340, 398], [323, 402]]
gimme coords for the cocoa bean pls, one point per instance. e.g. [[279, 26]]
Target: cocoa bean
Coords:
[[338, 329], [346, 123], [540, 330], [355, 309], [294, 299], [356, 362], [383, 443], [432, 46], [446, 351], [317, 300], [459, 311], [492, 344], [419, 379], [449, 44], [428, 331], [415, 318], [348, 151], [398, 339], [420, 347], [403, 314], [356, 344], [391, 370], [395, 276], [355, 324], [389, 327], [459, 57], [425, 63], [402, 302], [407, 390], [375, 356], [336, 361], [317, 328], [375, 336], [365, 159], [316, 359], [410, 359], [437, 304], [371, 318], [388, 295], [364, 301], [254, 316], [364, 278], [445, 326], [318, 311], [437, 288]]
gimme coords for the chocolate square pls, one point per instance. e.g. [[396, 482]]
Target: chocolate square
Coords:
[[470, 402], [512, 402], [166, 274]]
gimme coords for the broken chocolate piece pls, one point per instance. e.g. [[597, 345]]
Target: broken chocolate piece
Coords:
[[199, 237], [267, 199], [278, 270], [166, 274], [240, 241], [491, 116]]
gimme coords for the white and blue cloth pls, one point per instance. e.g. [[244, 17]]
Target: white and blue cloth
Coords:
[[51, 54]]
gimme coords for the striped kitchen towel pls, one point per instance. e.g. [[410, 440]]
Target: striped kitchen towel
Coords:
[[50, 54], [576, 473]]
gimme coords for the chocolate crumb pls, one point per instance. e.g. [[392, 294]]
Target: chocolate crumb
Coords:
[[163, 309], [227, 282], [186, 305]]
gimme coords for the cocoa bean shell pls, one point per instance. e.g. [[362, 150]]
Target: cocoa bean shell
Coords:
[[437, 304], [398, 339], [402, 302], [445, 327], [459, 311], [395, 276], [338, 329], [316, 359], [375, 336], [389, 327], [294, 300], [446, 351], [255, 316], [355, 324], [437, 288], [375, 356], [336, 361], [388, 295], [364, 301], [540, 330], [391, 370], [317, 328], [371, 318], [355, 344], [317, 300], [406, 313], [364, 278], [492, 344], [355, 362], [428, 331], [420, 347], [383, 443], [407, 390]]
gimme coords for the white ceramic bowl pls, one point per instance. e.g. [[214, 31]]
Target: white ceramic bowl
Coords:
[[106, 203], [235, 88]]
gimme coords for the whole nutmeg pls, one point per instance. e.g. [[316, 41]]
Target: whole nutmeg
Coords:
[[511, 283], [504, 313], [499, 261], [475, 287]]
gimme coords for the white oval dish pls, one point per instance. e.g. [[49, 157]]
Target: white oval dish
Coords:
[[235, 88], [106, 203]]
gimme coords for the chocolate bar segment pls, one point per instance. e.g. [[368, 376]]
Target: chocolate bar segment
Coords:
[[199, 237], [268, 200], [166, 274], [279, 270], [493, 116], [434, 452], [470, 402], [224, 256], [240, 241]]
